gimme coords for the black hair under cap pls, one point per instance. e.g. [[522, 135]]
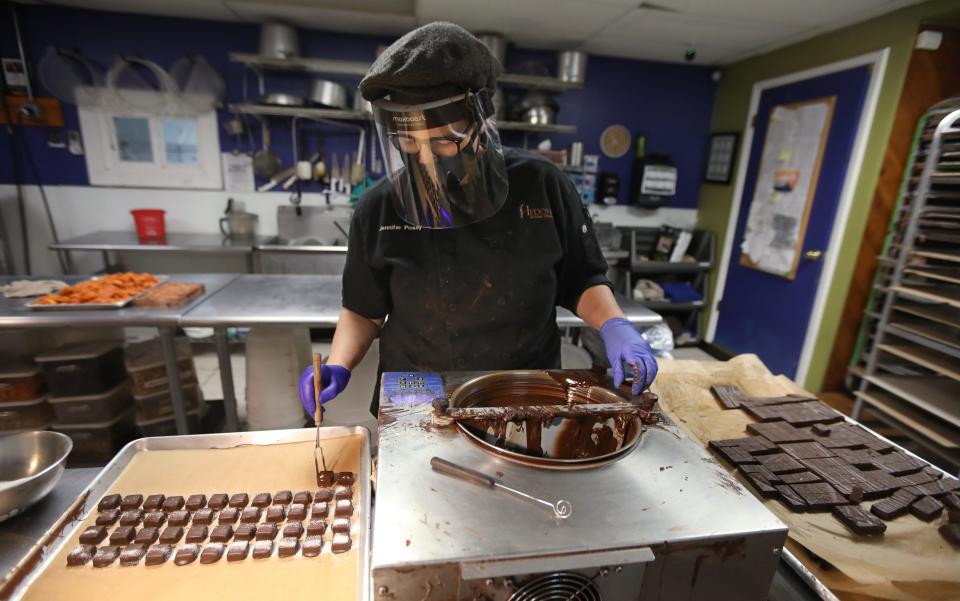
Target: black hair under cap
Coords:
[[435, 61]]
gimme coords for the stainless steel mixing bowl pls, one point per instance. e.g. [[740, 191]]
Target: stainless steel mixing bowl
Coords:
[[31, 464]]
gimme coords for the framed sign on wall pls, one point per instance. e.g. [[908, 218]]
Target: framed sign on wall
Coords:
[[720, 154]]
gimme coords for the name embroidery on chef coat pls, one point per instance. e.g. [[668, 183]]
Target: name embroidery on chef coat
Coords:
[[406, 228], [528, 212]]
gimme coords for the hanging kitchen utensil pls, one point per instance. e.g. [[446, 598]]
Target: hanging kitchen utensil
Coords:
[[69, 77], [201, 86], [265, 162], [129, 81]]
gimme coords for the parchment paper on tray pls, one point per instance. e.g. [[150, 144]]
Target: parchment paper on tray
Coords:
[[28, 288], [910, 562]]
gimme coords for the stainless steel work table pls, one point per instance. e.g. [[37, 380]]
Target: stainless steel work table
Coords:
[[106, 242], [15, 314]]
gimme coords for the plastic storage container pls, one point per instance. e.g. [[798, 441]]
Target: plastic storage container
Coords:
[[148, 371], [20, 383], [159, 406], [151, 225], [167, 426], [98, 441], [25, 415], [81, 369], [92, 407]]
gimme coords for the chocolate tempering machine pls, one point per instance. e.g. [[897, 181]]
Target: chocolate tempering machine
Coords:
[[646, 512]]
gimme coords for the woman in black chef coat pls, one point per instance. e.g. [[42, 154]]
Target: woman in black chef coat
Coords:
[[459, 258]]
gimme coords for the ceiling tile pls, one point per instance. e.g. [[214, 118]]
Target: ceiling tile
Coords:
[[652, 50], [197, 9], [313, 17]]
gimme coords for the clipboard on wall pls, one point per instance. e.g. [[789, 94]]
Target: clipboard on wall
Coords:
[[787, 177]]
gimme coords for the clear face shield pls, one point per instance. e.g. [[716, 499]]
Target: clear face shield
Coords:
[[444, 159]]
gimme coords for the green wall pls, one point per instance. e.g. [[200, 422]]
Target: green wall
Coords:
[[895, 30]]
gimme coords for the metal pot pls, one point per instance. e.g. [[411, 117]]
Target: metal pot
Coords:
[[279, 41], [572, 66], [361, 104], [496, 43], [329, 94], [31, 464], [539, 115], [281, 99]]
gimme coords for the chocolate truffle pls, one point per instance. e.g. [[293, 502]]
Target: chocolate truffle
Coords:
[[262, 549], [345, 478], [171, 535], [106, 556], [195, 502], [341, 525], [132, 555], [155, 519], [276, 513], [341, 543], [326, 478], [245, 532], [316, 527], [239, 500], [238, 551], [93, 535], [131, 517], [108, 517], [122, 535], [154, 503], [81, 555], [319, 510], [173, 504], [147, 536], [297, 512], [221, 533], [288, 547], [179, 517], [283, 497], [312, 546], [131, 502], [218, 501], [266, 531], [212, 553], [203, 516], [293, 530], [344, 508], [109, 502], [229, 515], [158, 554], [323, 494], [186, 554], [250, 515], [950, 533], [261, 500], [346, 492], [303, 497], [196, 534]]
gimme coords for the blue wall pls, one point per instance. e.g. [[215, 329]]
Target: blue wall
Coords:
[[670, 103]]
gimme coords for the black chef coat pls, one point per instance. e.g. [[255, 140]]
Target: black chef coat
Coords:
[[476, 297]]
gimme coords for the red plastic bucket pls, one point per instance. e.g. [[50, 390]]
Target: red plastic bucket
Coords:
[[151, 226]]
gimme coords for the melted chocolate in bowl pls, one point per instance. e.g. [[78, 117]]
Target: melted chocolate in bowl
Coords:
[[562, 440]]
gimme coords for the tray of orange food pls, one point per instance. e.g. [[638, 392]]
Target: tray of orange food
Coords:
[[111, 291]]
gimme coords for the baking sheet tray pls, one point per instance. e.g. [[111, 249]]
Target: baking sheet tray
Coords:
[[47, 559], [33, 306]]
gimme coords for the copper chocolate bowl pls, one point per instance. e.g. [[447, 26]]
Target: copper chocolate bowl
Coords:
[[549, 441]]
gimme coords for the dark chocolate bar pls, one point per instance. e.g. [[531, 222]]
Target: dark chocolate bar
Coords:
[[250, 515], [303, 497], [326, 478], [155, 519], [195, 502], [262, 549], [344, 508], [154, 503], [245, 532], [312, 545], [174, 503], [340, 525], [343, 492], [131, 502], [730, 397], [858, 520], [178, 518], [93, 535], [345, 478], [818, 496], [212, 552], [926, 508], [790, 498], [147, 536], [779, 432], [951, 500], [899, 463], [821, 429], [297, 512], [276, 513], [283, 497], [292, 530], [109, 502], [760, 483], [218, 501], [796, 414], [203, 516], [108, 517], [288, 547], [781, 463], [777, 400], [196, 534], [171, 535], [132, 554], [238, 550], [734, 455], [317, 527], [186, 554], [229, 515], [323, 494], [266, 532], [950, 533], [755, 445], [799, 477], [938, 488], [222, 533], [106, 556], [158, 554], [261, 500], [122, 535], [319, 510], [131, 517], [81, 556], [341, 543], [239, 500], [806, 450]]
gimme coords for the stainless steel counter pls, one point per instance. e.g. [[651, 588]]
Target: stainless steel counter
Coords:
[[128, 242]]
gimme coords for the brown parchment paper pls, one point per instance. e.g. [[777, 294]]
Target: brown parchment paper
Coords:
[[250, 469], [911, 561]]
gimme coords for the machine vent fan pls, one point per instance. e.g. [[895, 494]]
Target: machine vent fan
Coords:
[[559, 586]]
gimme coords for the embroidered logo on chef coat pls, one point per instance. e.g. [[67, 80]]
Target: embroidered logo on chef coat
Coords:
[[528, 212]]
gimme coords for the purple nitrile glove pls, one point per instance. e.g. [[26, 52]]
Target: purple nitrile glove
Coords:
[[333, 379], [624, 344]]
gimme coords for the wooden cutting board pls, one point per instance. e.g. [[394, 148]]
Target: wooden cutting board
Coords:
[[169, 294]]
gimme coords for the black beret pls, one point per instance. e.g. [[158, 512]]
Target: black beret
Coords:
[[435, 61]]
